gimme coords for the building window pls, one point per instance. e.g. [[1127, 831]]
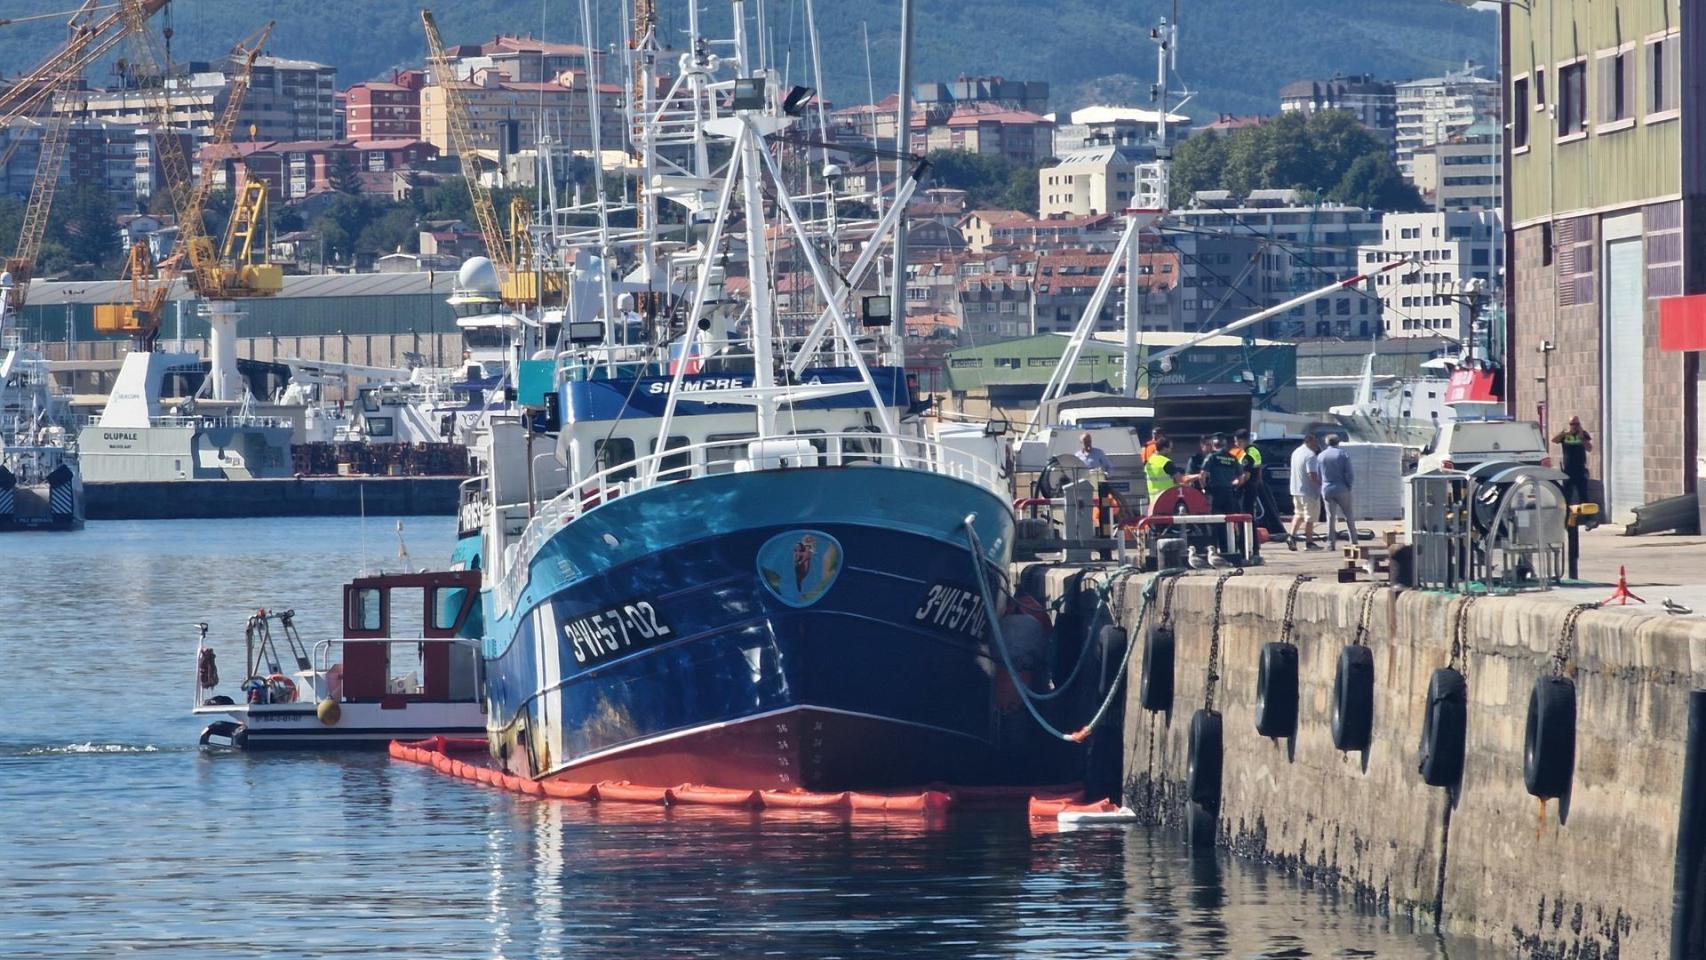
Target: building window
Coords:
[[1572, 99], [1519, 122], [1664, 77], [1539, 88], [1616, 93]]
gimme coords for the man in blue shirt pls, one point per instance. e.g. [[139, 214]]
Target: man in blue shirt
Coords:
[[1334, 467], [1094, 458]]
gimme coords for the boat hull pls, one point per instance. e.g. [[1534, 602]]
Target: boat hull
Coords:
[[816, 629], [360, 726]]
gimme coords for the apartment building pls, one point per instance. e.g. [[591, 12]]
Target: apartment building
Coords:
[[1448, 248]]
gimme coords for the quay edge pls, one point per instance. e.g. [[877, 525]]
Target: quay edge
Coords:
[[1493, 865]]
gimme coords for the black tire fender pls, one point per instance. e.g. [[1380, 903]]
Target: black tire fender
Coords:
[[1353, 699], [1445, 727], [1159, 653], [1549, 743], [1203, 759], [1276, 690]]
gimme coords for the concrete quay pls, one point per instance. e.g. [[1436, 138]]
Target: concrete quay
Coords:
[[1495, 863]]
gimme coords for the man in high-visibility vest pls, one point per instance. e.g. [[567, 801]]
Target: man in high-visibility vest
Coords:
[[1160, 472]]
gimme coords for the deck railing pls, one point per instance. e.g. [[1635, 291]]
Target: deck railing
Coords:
[[632, 476]]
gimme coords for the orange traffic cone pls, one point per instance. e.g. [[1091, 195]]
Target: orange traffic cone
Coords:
[[1622, 594]]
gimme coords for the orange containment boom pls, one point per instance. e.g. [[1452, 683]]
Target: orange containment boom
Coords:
[[435, 752]]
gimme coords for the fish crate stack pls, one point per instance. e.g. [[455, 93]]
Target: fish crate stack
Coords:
[[1379, 472]]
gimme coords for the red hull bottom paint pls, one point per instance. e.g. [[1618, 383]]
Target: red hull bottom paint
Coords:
[[799, 749]]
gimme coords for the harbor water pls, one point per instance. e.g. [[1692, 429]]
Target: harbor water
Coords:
[[119, 836]]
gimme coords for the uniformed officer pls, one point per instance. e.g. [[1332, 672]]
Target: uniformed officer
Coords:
[[1223, 476], [1576, 444]]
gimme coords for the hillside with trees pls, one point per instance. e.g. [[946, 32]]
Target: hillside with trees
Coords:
[[1235, 53], [1329, 156]]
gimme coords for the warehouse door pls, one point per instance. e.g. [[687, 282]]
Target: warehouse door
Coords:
[[1624, 454]]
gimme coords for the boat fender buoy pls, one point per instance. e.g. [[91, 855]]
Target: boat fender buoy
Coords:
[[1276, 690], [328, 711], [1203, 759], [1353, 699], [1549, 743], [1159, 647], [1444, 729]]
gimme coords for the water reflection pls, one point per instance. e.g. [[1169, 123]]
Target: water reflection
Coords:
[[108, 847]]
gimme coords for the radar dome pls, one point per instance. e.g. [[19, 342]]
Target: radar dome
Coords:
[[478, 275]]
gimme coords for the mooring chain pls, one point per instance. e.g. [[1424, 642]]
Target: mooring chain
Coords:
[[1460, 628], [1567, 637], [1170, 587], [1214, 638], [1361, 638], [1289, 625]]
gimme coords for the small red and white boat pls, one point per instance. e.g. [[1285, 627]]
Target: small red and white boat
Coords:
[[403, 669]]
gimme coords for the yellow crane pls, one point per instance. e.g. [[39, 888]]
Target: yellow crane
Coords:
[[514, 258], [140, 317], [214, 276], [89, 39]]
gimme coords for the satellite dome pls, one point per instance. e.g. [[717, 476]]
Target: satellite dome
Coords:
[[478, 275]]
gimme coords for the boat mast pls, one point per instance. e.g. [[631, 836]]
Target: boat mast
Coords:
[[757, 255], [903, 151]]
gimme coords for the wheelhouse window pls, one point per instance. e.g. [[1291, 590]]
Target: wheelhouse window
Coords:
[[724, 450], [612, 453], [674, 466]]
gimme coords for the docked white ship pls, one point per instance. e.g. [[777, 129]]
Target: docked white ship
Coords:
[[41, 487]]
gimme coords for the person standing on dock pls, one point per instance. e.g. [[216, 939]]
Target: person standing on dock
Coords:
[[1094, 458], [1305, 491], [1155, 439], [1576, 444], [1223, 477], [1160, 472], [1334, 467], [1199, 462], [1256, 492]]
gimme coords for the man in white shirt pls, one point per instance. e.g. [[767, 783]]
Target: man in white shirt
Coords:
[[1094, 458], [1305, 492]]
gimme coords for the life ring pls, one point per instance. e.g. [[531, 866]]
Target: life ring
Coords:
[[1353, 699], [1276, 690], [1444, 729], [280, 688], [1203, 760], [1549, 743], [1156, 688]]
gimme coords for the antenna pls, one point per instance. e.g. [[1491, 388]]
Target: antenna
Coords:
[[402, 549]]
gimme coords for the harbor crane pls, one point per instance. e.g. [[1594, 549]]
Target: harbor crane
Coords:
[[522, 283], [223, 273], [31, 95], [141, 316]]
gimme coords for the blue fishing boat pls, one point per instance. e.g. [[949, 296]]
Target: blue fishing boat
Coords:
[[747, 565]]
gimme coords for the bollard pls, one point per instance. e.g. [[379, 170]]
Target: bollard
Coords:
[[1688, 896]]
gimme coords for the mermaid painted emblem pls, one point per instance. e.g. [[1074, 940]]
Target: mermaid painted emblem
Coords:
[[800, 566]]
